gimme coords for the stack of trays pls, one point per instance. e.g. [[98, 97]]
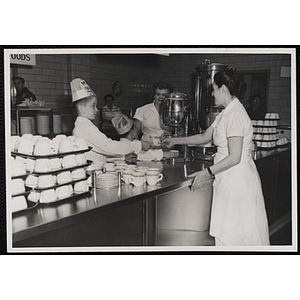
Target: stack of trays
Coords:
[[43, 124], [106, 181], [265, 131], [26, 125]]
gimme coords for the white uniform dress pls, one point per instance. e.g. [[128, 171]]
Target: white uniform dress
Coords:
[[101, 144], [151, 121], [238, 214]]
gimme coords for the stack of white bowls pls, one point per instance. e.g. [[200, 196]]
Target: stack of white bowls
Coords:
[[57, 124], [107, 181], [43, 124]]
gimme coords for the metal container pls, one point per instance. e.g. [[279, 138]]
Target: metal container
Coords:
[[203, 89], [174, 110]]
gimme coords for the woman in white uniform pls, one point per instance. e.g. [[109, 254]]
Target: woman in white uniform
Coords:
[[147, 118], [238, 214]]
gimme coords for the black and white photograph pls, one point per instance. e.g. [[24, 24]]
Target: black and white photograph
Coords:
[[151, 149]]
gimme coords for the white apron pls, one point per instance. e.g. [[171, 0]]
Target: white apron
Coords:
[[238, 214]]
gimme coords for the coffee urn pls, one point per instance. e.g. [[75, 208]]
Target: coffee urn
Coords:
[[205, 110]]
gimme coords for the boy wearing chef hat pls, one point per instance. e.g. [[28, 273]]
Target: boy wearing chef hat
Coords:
[[85, 103], [126, 128]]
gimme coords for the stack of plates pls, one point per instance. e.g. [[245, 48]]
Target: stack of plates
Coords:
[[57, 124], [43, 124], [25, 124], [106, 181]]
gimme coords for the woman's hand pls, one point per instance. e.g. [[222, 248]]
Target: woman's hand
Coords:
[[199, 179], [168, 143]]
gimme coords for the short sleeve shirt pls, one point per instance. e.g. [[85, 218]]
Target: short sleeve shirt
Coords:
[[150, 119]]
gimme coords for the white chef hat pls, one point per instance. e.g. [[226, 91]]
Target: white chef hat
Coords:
[[122, 124], [80, 89]]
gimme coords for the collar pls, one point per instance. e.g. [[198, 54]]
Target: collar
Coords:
[[231, 106]]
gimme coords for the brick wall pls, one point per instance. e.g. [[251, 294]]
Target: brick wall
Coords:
[[49, 80], [178, 69]]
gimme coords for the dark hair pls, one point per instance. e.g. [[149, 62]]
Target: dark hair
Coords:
[[234, 84], [109, 96], [19, 78], [162, 86]]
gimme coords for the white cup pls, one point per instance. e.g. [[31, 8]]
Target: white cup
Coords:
[[17, 168], [69, 161], [18, 203], [25, 146], [55, 163], [43, 147], [126, 175], [153, 177], [30, 164], [35, 138], [27, 136], [42, 165], [81, 159], [81, 187], [13, 142], [65, 145], [61, 136], [78, 174], [17, 186], [31, 181], [80, 144], [63, 192], [137, 178], [48, 196], [55, 144], [34, 196], [45, 181], [64, 177]]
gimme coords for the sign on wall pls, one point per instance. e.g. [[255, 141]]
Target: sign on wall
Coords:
[[23, 59]]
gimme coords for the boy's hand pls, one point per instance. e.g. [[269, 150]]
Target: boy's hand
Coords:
[[131, 158]]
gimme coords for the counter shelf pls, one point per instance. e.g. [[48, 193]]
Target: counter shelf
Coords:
[[37, 189], [60, 201], [89, 162], [62, 154]]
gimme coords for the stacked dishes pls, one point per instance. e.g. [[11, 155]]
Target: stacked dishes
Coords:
[[47, 171], [265, 131], [26, 125], [107, 181], [43, 124]]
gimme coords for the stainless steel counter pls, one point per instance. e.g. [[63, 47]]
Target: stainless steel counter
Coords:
[[45, 219]]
